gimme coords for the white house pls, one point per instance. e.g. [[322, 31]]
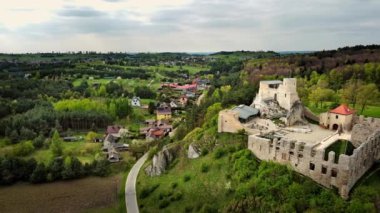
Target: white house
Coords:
[[136, 102]]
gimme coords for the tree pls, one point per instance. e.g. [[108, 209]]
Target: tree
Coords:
[[38, 142], [56, 144], [350, 91], [27, 134], [23, 148], [91, 136], [14, 136], [39, 174], [151, 108], [367, 94], [56, 168], [102, 91], [319, 95], [144, 92]]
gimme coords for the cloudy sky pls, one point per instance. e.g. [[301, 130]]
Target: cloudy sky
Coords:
[[186, 25]]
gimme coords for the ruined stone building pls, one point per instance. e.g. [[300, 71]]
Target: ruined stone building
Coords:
[[284, 92], [279, 132], [310, 159]]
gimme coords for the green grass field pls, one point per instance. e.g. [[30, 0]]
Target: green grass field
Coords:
[[369, 111]]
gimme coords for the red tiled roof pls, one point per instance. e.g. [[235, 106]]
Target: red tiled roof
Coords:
[[113, 129], [342, 110], [187, 86]]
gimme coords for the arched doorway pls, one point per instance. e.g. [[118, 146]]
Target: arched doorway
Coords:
[[335, 127]]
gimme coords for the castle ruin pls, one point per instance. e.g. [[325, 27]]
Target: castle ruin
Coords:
[[280, 133]]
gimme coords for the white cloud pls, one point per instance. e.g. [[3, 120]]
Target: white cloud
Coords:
[[184, 25]]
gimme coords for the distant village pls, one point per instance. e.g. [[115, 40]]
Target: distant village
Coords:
[[161, 126]]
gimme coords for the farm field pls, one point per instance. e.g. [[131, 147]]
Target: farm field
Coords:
[[90, 194]]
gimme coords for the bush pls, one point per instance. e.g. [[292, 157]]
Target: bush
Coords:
[[219, 152], [177, 196], [145, 192], [204, 151], [23, 149], [186, 178], [204, 168], [188, 209], [38, 142], [163, 204], [174, 185]]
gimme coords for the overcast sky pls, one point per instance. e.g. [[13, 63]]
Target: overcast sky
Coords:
[[186, 25]]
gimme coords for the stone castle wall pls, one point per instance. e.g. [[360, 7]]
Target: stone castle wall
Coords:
[[228, 121], [309, 161], [285, 94]]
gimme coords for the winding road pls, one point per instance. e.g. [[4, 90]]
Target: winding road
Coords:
[[130, 186]]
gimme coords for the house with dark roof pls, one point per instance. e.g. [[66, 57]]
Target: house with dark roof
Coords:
[[164, 113], [245, 113]]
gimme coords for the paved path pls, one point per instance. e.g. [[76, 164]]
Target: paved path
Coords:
[[130, 186]]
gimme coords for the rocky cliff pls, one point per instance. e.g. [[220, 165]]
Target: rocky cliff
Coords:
[[161, 161]]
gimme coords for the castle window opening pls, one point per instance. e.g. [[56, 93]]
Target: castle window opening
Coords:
[[312, 166], [283, 156], [292, 145], [336, 116], [324, 170], [334, 173], [291, 153], [300, 155]]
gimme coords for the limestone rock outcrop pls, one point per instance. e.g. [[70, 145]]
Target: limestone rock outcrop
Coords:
[[295, 114], [193, 152], [160, 161]]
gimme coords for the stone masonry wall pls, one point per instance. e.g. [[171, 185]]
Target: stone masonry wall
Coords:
[[309, 161]]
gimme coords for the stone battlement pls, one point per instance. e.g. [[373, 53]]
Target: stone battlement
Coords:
[[308, 160]]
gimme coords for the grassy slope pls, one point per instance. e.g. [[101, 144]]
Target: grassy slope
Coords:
[[209, 186]]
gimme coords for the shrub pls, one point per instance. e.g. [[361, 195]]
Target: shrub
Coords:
[[38, 142], [148, 190], [23, 149], [174, 185], [163, 204], [186, 178], [219, 152], [204, 151], [204, 168], [188, 209], [208, 208], [177, 196]]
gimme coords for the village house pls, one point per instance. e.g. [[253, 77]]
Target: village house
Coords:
[[110, 145], [135, 102], [155, 129], [164, 113], [183, 100], [173, 104]]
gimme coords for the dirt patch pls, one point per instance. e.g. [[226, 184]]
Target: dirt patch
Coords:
[[63, 196]]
